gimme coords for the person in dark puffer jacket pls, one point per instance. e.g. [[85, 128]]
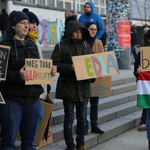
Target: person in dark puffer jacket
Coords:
[[23, 111]]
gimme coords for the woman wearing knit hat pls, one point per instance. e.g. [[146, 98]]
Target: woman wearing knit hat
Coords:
[[97, 47], [33, 24]]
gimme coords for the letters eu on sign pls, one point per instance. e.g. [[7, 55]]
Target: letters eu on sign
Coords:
[[94, 65], [4, 56]]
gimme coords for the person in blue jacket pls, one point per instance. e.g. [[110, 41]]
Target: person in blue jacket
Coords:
[[90, 16]]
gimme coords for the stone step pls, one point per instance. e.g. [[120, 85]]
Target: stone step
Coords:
[[104, 116], [112, 128], [104, 103]]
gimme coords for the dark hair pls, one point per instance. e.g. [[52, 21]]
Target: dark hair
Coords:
[[146, 36]]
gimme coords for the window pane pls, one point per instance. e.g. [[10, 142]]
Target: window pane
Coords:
[[50, 2], [82, 7], [59, 4], [102, 2], [96, 10], [67, 5], [41, 2], [83, 1], [96, 2], [102, 11]]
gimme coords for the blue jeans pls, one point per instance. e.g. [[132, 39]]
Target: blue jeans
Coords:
[[3, 33], [68, 121], [93, 111], [133, 51], [15, 117]]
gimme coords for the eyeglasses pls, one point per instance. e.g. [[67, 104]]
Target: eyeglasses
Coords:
[[23, 22], [95, 30], [87, 7]]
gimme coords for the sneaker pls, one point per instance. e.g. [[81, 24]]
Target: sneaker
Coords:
[[97, 130], [141, 127], [86, 131], [80, 147]]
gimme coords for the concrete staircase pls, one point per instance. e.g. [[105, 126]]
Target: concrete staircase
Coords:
[[117, 114]]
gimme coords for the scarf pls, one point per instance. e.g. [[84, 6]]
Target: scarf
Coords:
[[33, 36], [91, 40]]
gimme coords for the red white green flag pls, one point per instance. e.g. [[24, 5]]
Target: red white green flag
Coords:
[[143, 90]]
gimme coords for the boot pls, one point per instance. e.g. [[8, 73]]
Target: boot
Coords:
[[80, 147], [86, 131], [97, 130], [149, 145]]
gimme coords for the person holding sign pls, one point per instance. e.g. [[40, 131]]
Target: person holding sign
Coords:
[[145, 118], [74, 93], [33, 24], [97, 47], [23, 110]]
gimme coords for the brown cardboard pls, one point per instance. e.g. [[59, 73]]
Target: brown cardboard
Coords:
[[42, 136], [101, 87], [40, 71], [145, 58], [94, 65], [45, 142], [4, 56]]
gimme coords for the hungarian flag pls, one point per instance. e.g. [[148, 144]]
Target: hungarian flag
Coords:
[[143, 90]]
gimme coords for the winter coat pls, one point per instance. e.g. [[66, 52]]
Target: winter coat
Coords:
[[97, 47], [68, 88], [14, 87], [93, 17], [4, 21]]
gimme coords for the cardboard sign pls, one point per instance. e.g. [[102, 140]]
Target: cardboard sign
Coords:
[[1, 99], [4, 56], [40, 71], [145, 58], [94, 65], [101, 87], [44, 136]]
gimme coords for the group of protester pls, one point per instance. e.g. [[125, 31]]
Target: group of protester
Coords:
[[23, 110]]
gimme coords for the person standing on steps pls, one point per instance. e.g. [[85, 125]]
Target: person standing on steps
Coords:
[[90, 16], [97, 47]]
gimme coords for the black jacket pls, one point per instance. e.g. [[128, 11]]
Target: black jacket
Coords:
[[4, 21], [133, 37], [14, 88], [68, 88]]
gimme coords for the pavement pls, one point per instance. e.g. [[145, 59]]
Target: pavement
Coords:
[[130, 140]]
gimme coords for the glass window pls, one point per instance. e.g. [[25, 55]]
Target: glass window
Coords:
[[83, 1], [78, 7], [67, 5], [50, 2], [59, 4], [41, 2], [102, 11], [96, 2], [96, 10], [82, 7], [102, 2], [31, 1]]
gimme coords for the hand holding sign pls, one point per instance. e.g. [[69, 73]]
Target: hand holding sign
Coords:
[[54, 70], [139, 69], [24, 73]]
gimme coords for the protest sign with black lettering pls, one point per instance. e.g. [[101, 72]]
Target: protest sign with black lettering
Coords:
[[40, 71], [4, 56], [145, 58], [101, 87]]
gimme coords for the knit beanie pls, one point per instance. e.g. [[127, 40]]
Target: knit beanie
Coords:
[[32, 17], [87, 24], [16, 16]]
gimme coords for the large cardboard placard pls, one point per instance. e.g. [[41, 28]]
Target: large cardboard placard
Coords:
[[145, 58], [44, 136], [1, 99], [4, 56], [101, 87], [94, 65], [40, 71]]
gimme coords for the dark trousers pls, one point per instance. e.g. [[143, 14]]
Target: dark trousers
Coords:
[[3, 33], [133, 51], [68, 122], [143, 117], [15, 117], [93, 112]]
